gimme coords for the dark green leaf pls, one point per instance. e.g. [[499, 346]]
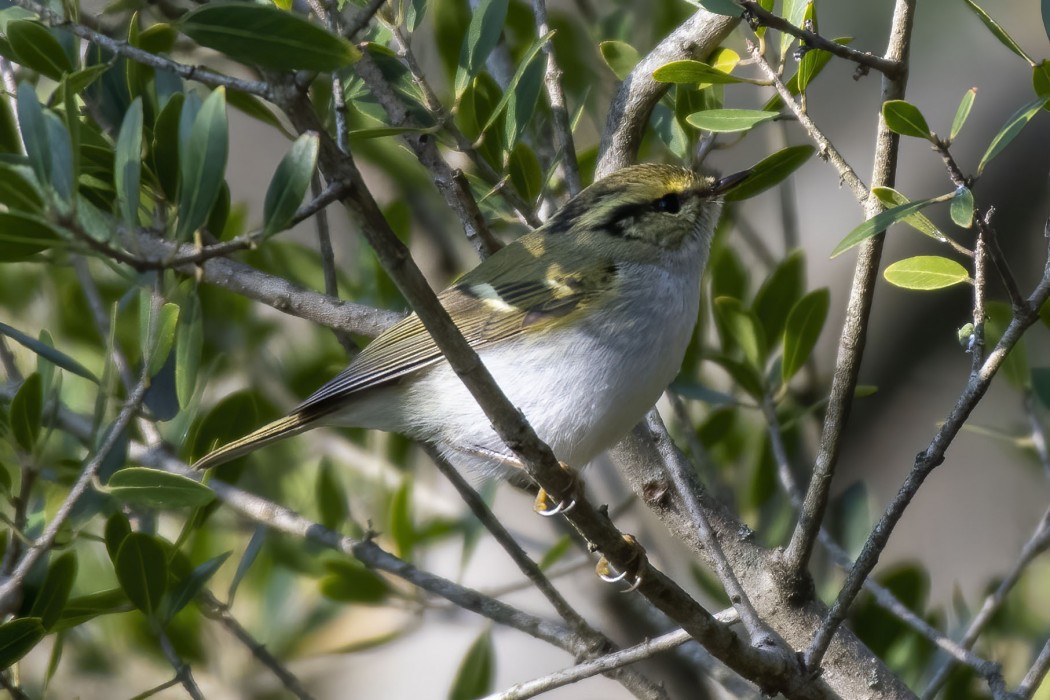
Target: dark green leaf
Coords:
[[9, 139], [807, 65], [153, 488], [620, 56], [1041, 385], [402, 527], [475, 673], [34, 132], [802, 330], [17, 193], [743, 375], [189, 343], [51, 599], [486, 25], [779, 292], [38, 49], [331, 497], [692, 72], [1009, 131], [251, 552], [721, 7], [880, 222], [27, 408], [267, 36], [127, 164], [348, 581], [289, 184], [165, 147], [256, 109], [744, 328], [202, 163], [729, 120], [925, 272], [142, 570], [961, 208], [892, 198], [83, 608], [188, 588], [771, 171], [23, 235], [905, 119], [999, 32], [116, 530], [44, 350], [963, 111], [524, 92], [61, 155], [17, 638], [164, 338]]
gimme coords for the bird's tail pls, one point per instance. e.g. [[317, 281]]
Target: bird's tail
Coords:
[[278, 430]]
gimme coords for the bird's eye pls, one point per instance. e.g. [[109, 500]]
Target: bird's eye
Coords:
[[669, 203]]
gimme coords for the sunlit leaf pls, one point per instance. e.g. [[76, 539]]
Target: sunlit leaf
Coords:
[[153, 488], [1010, 130], [882, 221], [905, 119], [690, 72], [729, 120], [961, 208], [770, 171], [892, 198], [925, 272], [999, 33]]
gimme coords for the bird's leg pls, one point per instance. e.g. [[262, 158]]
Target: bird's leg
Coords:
[[631, 573], [543, 503]]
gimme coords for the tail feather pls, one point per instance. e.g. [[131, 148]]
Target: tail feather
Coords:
[[278, 430]]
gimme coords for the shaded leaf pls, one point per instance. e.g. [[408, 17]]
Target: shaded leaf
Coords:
[[116, 530], [289, 184], [44, 350], [23, 235], [961, 208], [142, 570], [202, 162], [774, 299], [17, 192], [267, 36], [26, 412], [87, 607], [743, 375], [331, 497], [51, 599], [620, 56], [187, 589], [349, 581], [802, 330], [557, 551], [402, 528], [18, 637], [905, 119], [486, 25], [38, 49], [770, 171], [164, 337], [999, 33], [925, 272], [1009, 131], [881, 221], [189, 342], [744, 328], [127, 163], [729, 120], [1041, 385], [153, 488], [475, 674]]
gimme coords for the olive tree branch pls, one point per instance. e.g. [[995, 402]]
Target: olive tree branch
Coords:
[[1034, 678], [556, 98]]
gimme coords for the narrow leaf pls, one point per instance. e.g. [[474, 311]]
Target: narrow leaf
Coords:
[[348, 581], [164, 337], [188, 588], [1010, 130], [23, 235], [486, 25], [774, 299], [744, 328], [961, 208], [880, 222], [999, 33], [202, 163], [46, 351], [771, 171], [142, 571], [53, 594], [289, 184], [17, 638], [690, 72], [153, 488], [925, 272], [475, 673], [794, 12], [26, 412], [127, 164], [892, 198], [38, 49], [905, 119], [965, 105], [267, 36], [802, 330], [729, 120], [189, 343]]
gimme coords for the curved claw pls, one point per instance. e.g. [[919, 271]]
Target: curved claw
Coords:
[[613, 579]]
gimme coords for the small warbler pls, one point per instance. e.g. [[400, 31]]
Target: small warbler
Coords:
[[582, 322]]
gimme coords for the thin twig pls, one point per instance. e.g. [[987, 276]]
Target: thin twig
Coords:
[[556, 97], [331, 281], [980, 313], [892, 69], [7, 359], [1034, 678], [362, 19], [10, 686], [182, 669]]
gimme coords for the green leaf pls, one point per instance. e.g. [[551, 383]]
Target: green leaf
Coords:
[[23, 235], [1041, 81], [26, 413], [256, 109], [202, 163], [142, 570], [802, 330], [165, 146], [1041, 385], [1009, 131], [289, 184], [522, 92], [620, 56], [127, 164], [17, 193], [38, 49], [721, 7], [1015, 366], [771, 171], [153, 488], [1044, 10], [18, 637], [188, 588], [881, 221], [34, 133], [189, 342], [807, 66], [815, 65], [690, 72], [743, 375], [46, 351], [348, 581], [744, 328], [51, 599], [729, 120], [116, 531], [475, 673], [774, 299], [561, 547], [486, 25], [164, 337], [402, 527], [794, 11], [60, 145], [83, 608], [925, 272], [963, 111], [892, 198], [905, 119], [330, 496], [999, 32], [267, 36], [961, 208]]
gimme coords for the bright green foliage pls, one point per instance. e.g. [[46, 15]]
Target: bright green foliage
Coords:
[[925, 272]]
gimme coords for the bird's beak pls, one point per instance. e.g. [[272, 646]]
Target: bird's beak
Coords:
[[730, 181]]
